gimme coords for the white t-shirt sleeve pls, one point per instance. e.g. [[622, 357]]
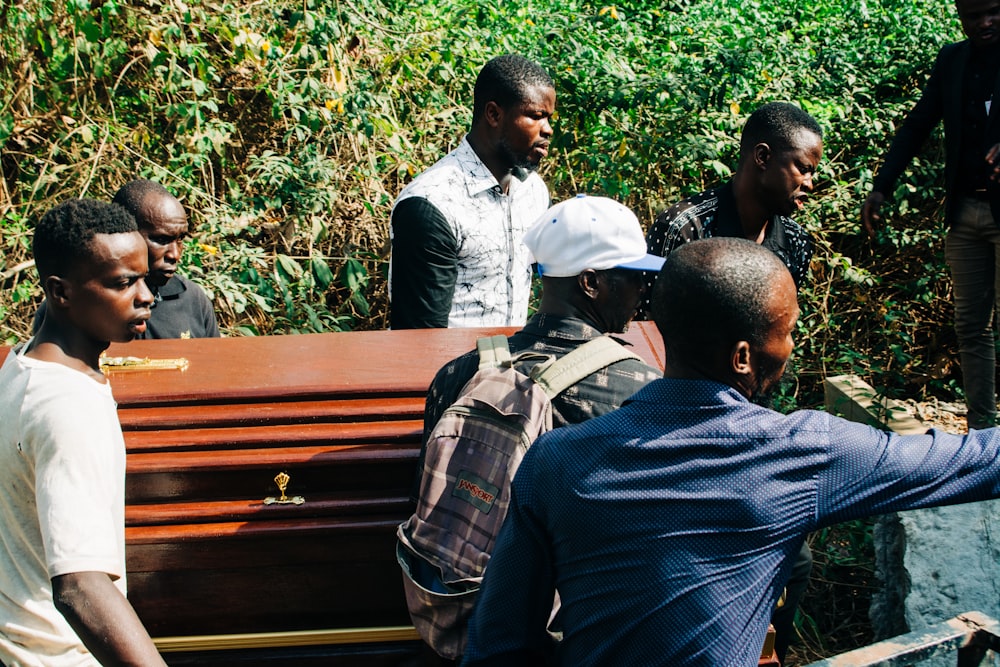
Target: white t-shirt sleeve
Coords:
[[78, 452]]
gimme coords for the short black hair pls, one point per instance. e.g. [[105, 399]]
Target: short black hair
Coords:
[[64, 235], [505, 80], [132, 195], [714, 292], [776, 124]]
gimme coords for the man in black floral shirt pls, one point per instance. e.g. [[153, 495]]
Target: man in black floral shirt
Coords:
[[780, 148]]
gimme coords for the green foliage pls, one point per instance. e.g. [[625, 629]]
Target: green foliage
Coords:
[[288, 128], [833, 616]]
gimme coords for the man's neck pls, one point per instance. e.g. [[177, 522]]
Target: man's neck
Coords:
[[695, 369], [73, 351], [754, 217], [570, 312], [499, 167]]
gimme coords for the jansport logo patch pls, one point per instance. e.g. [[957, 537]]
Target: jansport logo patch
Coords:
[[476, 491]]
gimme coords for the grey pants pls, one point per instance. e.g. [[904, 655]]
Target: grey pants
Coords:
[[971, 252]]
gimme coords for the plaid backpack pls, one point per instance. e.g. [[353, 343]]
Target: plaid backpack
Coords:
[[471, 457]]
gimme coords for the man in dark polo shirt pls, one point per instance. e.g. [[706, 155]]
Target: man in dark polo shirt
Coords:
[[181, 308]]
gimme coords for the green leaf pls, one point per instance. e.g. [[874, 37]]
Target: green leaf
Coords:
[[361, 303], [321, 272], [289, 267], [91, 31], [354, 275]]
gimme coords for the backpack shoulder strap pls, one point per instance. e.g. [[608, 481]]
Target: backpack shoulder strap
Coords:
[[592, 356], [493, 351]]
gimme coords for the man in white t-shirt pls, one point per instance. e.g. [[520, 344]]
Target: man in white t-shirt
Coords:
[[62, 456]]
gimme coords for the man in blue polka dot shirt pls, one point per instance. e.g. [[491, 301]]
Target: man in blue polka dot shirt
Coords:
[[668, 526]]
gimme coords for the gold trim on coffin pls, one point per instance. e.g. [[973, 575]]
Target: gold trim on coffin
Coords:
[[283, 639], [117, 364]]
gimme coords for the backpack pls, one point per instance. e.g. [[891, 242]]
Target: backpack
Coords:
[[471, 456]]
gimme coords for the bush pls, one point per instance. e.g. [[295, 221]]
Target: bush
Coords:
[[288, 128]]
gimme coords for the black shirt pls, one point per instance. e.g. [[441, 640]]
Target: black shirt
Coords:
[[714, 213]]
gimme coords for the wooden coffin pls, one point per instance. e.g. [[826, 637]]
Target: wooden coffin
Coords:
[[221, 573]]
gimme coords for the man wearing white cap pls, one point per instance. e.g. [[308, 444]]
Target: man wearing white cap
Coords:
[[591, 254]]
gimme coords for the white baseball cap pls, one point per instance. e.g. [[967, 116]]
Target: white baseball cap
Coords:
[[589, 233]]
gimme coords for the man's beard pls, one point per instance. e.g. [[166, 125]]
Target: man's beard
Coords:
[[521, 166], [768, 397]]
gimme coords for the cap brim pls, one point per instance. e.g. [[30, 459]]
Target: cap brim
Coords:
[[647, 263]]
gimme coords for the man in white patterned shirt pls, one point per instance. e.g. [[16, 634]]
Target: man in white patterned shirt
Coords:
[[457, 257]]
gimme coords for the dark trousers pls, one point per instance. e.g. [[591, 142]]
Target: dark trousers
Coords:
[[972, 250], [783, 618]]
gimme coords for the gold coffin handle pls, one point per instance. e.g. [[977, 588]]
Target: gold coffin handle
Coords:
[[118, 364], [282, 479]]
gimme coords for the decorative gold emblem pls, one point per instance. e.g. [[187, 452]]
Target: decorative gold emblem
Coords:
[[117, 364], [282, 479]]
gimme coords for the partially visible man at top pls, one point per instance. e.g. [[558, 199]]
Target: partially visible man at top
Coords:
[[961, 90], [62, 456], [780, 148], [668, 526], [457, 257], [591, 256], [181, 308]]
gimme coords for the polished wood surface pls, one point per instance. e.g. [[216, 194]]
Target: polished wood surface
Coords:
[[341, 414], [393, 363]]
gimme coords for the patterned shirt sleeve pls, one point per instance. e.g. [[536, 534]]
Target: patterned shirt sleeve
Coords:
[[673, 228], [799, 252], [444, 390]]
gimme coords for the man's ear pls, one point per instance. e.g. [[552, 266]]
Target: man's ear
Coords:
[[739, 358], [493, 114], [589, 283], [762, 155], [57, 290]]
